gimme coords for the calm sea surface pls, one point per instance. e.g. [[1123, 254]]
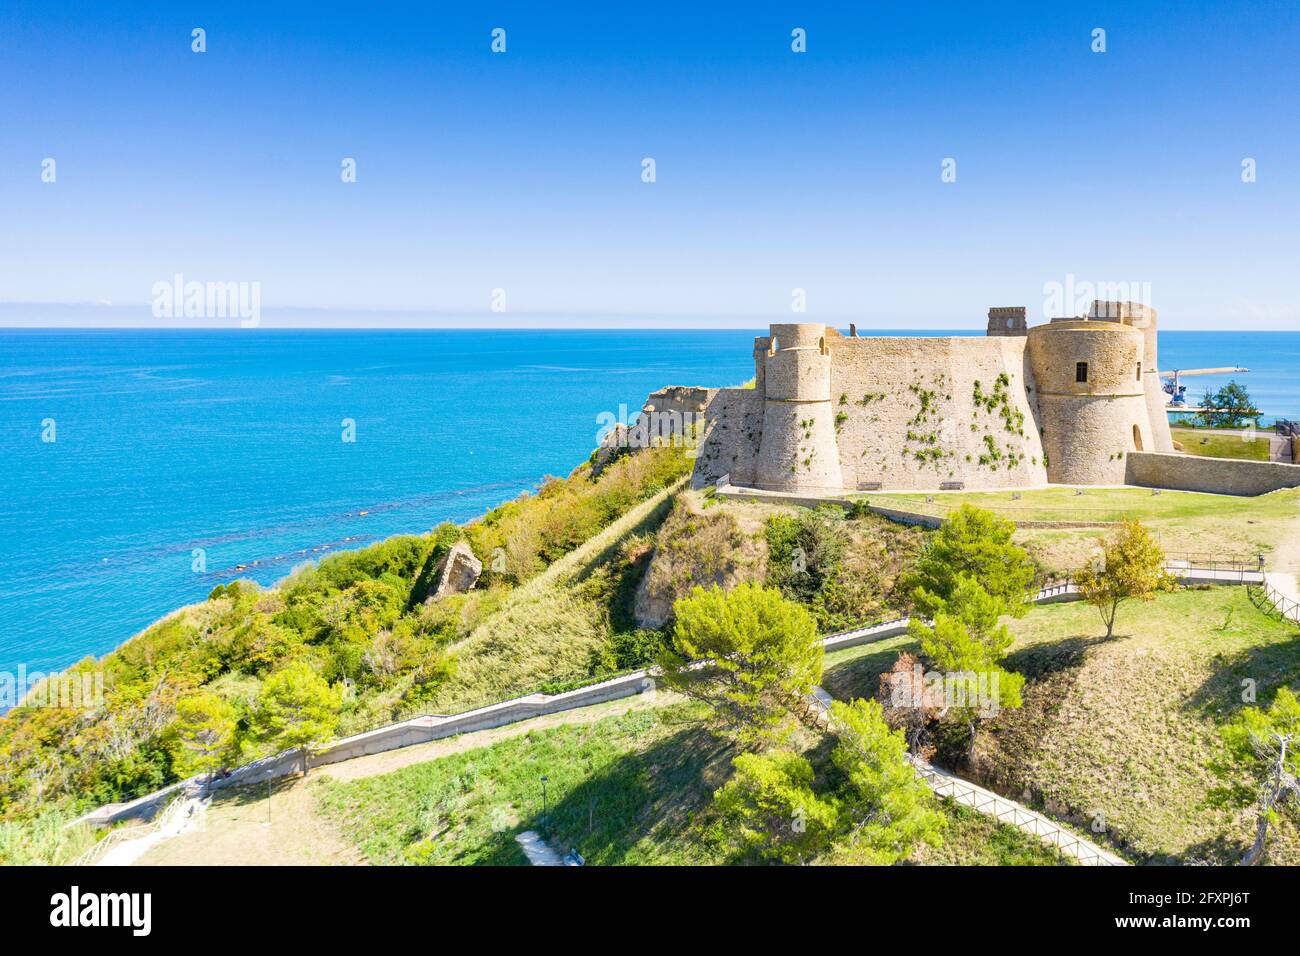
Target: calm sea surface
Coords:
[[232, 442]]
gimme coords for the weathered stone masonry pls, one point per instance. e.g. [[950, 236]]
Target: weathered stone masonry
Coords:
[[1063, 402]]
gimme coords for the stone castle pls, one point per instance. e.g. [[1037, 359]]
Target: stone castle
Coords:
[[1064, 402]]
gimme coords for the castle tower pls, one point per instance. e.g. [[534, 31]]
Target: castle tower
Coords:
[[1144, 318], [1007, 320], [1092, 402], [798, 451]]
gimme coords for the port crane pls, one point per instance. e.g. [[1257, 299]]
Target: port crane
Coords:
[[1177, 391]]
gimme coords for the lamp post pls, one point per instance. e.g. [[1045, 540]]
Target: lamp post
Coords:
[[545, 812]]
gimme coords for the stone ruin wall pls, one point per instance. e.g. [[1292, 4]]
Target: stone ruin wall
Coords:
[[733, 430]]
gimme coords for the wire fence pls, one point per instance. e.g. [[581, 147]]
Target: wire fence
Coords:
[[967, 794], [1285, 606]]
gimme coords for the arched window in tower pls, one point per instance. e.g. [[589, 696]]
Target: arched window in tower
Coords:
[[1081, 371], [774, 346], [1137, 438], [1139, 371], [821, 345]]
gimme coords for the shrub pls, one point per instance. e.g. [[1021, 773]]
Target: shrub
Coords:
[[768, 809], [765, 653], [972, 543]]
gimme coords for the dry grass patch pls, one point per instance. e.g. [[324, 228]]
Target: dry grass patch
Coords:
[[1117, 734]]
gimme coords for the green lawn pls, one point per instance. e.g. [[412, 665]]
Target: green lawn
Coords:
[[1208, 442], [1121, 731], [631, 789], [1184, 521]]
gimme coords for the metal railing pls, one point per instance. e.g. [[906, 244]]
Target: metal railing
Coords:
[[1054, 586], [1050, 589], [1213, 562], [879, 625], [549, 689]]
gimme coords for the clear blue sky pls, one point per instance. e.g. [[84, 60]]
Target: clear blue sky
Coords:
[[775, 170]]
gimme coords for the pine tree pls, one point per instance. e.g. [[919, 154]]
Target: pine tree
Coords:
[[972, 543], [205, 734], [297, 709], [887, 809], [763, 655]]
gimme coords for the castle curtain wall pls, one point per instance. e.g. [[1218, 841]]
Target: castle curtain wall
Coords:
[[920, 412]]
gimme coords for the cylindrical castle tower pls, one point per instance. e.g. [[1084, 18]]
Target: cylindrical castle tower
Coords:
[[798, 451], [1145, 318], [1090, 378]]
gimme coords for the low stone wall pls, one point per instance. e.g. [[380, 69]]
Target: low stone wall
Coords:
[[417, 730], [424, 729], [907, 517], [1225, 476]]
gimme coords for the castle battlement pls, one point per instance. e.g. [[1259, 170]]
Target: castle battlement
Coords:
[[1064, 401]]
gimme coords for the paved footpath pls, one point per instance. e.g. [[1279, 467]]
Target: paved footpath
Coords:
[[1287, 584], [1285, 574], [184, 814], [537, 850]]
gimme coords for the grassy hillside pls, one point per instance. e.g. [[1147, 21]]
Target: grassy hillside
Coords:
[[557, 627], [1116, 734], [1120, 731], [629, 790]]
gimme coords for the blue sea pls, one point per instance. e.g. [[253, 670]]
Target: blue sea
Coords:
[[232, 443]]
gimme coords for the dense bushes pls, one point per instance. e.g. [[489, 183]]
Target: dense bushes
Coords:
[[692, 549], [843, 570]]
